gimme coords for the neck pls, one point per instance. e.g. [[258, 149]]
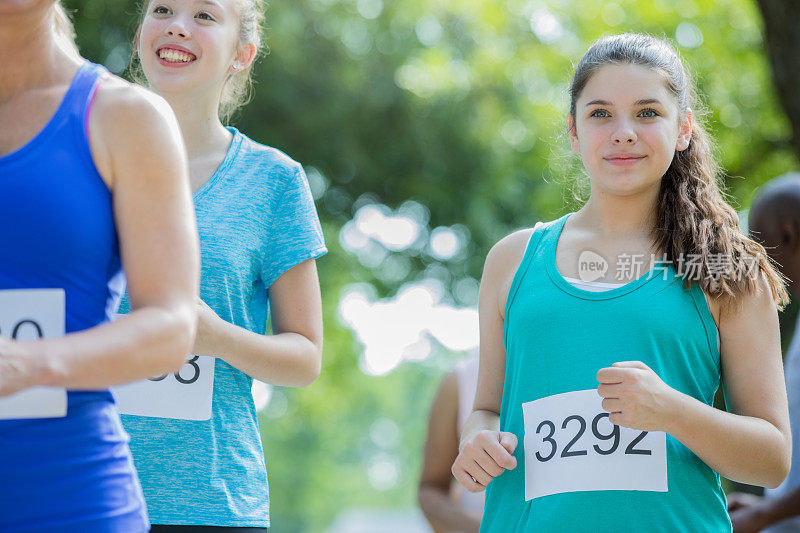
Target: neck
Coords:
[[32, 54], [616, 216], [199, 122]]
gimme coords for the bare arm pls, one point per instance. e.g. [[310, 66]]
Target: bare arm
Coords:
[[138, 150], [441, 449], [751, 444], [293, 355], [750, 513], [756, 433], [485, 451]]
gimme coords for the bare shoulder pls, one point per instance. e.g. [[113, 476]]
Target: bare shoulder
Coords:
[[125, 120], [750, 308], [118, 99], [506, 255], [501, 265]]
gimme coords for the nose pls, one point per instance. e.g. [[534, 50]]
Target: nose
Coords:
[[177, 29], [624, 133]]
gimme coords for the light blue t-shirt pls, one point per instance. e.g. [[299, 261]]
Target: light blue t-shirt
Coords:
[[256, 220]]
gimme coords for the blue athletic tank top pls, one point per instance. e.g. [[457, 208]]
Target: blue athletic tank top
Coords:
[[557, 336], [70, 474]]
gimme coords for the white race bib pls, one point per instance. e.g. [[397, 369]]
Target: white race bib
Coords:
[[25, 315], [570, 446], [185, 395]]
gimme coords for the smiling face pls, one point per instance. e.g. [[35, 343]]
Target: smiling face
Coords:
[[189, 45], [627, 127]]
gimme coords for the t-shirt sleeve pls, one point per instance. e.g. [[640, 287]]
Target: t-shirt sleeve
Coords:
[[295, 233]]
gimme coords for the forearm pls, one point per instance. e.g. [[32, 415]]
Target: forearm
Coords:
[[742, 448], [286, 359], [479, 420], [777, 509], [443, 513], [144, 343]]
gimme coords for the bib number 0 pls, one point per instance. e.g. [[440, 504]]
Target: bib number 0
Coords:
[[27, 315], [571, 445]]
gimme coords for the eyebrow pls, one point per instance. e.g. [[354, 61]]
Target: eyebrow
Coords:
[[210, 3], [643, 101]]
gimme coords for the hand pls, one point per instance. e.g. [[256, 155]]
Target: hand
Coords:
[[746, 513], [17, 368], [484, 457], [207, 322], [742, 500], [635, 396]]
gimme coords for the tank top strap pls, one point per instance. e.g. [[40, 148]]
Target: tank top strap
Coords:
[[83, 87], [79, 98], [530, 251]]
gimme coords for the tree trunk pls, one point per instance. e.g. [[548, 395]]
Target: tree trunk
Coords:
[[782, 34]]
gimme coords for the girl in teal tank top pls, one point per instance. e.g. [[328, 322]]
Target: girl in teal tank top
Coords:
[[594, 407]]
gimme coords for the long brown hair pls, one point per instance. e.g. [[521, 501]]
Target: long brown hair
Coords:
[[696, 229]]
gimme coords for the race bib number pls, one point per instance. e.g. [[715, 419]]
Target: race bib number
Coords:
[[26, 315], [570, 445], [184, 395]]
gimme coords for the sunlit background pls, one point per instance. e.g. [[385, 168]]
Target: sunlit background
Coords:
[[429, 129]]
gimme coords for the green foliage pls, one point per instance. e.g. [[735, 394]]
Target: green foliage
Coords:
[[461, 106]]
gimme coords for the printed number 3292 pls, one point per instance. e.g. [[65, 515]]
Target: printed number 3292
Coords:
[[550, 428]]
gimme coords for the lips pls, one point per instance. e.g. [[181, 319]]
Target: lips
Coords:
[[623, 156], [172, 54], [624, 159]]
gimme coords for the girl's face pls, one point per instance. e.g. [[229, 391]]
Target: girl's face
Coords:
[[627, 127], [189, 45]]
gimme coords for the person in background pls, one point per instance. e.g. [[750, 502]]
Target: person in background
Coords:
[[448, 506], [775, 221]]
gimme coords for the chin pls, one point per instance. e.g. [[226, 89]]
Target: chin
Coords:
[[626, 187], [169, 83]]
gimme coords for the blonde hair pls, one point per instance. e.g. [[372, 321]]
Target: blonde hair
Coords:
[[237, 90], [63, 25]]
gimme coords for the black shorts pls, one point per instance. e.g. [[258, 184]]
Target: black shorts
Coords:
[[206, 529]]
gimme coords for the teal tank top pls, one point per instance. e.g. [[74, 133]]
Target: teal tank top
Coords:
[[556, 338]]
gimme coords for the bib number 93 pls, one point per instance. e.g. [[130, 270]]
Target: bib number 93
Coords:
[[192, 362]]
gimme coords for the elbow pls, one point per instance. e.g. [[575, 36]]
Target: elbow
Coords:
[[777, 478], [781, 470], [313, 368], [423, 497]]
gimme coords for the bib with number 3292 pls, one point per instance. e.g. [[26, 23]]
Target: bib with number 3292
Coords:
[[25, 315], [570, 445]]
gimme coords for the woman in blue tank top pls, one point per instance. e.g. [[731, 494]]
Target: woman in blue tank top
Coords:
[[259, 238], [604, 333], [92, 176]]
